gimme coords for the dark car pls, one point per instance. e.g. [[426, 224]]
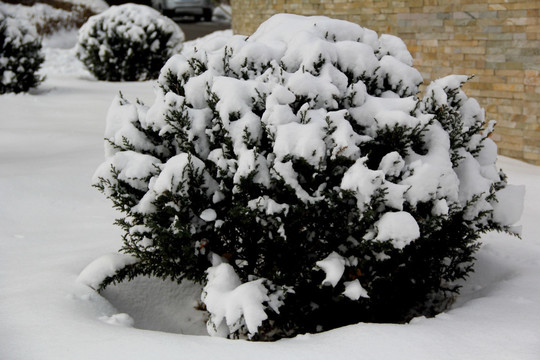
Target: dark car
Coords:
[[200, 9]]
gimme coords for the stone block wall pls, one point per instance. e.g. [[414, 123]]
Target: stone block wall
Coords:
[[498, 41]]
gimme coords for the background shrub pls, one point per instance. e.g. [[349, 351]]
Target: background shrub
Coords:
[[128, 42], [299, 177], [20, 55], [50, 16]]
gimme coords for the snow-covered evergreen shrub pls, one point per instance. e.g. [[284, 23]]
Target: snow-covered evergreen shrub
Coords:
[[301, 163], [128, 42], [20, 55]]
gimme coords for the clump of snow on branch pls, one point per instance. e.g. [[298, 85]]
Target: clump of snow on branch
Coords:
[[400, 228], [333, 266], [233, 304]]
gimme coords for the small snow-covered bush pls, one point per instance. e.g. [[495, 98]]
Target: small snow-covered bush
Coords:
[[20, 55], [128, 42], [49, 16], [302, 164]]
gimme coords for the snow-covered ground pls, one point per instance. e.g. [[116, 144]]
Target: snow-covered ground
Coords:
[[53, 224]]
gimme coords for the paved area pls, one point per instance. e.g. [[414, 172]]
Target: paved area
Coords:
[[194, 30]]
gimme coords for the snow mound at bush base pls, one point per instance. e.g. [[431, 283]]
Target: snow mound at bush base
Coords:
[[147, 302], [160, 305], [107, 265]]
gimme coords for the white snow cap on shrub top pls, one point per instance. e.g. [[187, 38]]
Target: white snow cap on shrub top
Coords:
[[19, 31], [296, 43]]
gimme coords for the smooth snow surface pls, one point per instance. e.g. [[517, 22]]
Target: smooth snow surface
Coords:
[[53, 224]]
